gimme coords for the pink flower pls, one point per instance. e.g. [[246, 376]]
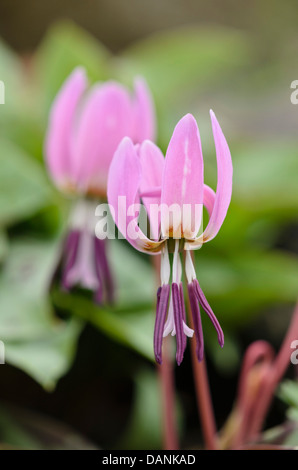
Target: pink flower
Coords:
[[174, 185], [85, 128]]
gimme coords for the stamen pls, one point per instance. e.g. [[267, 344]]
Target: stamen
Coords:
[[83, 270], [189, 267], [183, 314], [161, 312], [203, 301], [196, 316], [165, 267], [78, 215], [187, 331], [103, 272], [170, 324], [70, 251], [178, 318]]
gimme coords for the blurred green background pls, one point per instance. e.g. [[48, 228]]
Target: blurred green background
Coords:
[[80, 376]]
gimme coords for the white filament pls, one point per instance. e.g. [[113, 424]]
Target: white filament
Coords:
[[82, 216], [170, 323], [165, 267], [177, 267], [189, 267]]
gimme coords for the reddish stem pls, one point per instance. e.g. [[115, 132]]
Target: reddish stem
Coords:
[[257, 360], [167, 385], [273, 377], [203, 396], [166, 376]]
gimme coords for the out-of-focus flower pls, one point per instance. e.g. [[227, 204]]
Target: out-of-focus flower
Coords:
[[173, 193], [85, 128], [262, 371]]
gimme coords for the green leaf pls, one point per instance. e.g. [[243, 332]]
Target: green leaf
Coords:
[[24, 188], [181, 65], [226, 359], [239, 287], [35, 340], [288, 393], [23, 429], [131, 320], [265, 178], [48, 357], [134, 276], [65, 47], [132, 328], [11, 75], [3, 245], [175, 59], [20, 115], [144, 428]]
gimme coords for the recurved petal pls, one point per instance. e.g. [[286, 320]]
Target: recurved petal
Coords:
[[123, 195], [183, 180], [144, 112], [105, 119], [58, 139], [224, 181]]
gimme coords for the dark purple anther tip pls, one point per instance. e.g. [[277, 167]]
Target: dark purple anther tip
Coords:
[[183, 311], [196, 316], [161, 313], [204, 303], [178, 318]]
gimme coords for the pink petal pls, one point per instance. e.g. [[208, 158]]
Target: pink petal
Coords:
[[57, 146], [224, 182], [123, 195], [105, 119], [152, 166], [183, 181], [208, 202], [144, 112], [208, 199]]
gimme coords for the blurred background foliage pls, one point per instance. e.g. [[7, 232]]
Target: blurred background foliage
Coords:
[[238, 61]]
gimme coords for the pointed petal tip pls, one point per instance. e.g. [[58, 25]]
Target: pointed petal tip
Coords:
[[139, 80], [77, 78], [188, 119], [78, 74], [148, 145], [126, 139], [79, 70], [213, 118], [125, 143]]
